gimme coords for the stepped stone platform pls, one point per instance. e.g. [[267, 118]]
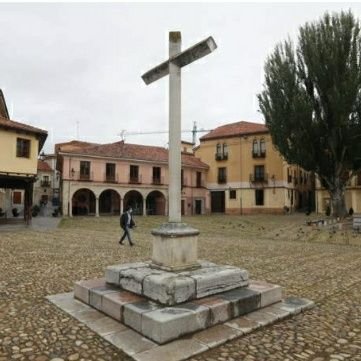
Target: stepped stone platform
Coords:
[[141, 348], [151, 313], [162, 323], [171, 288]]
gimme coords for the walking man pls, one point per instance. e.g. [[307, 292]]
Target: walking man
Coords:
[[126, 223]]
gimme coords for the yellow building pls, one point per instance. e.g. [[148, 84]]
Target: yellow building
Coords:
[[248, 175], [352, 195], [20, 145]]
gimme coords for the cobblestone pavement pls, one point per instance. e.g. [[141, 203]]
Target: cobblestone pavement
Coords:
[[320, 264]]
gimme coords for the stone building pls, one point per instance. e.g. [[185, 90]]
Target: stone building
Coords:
[[103, 179], [248, 175]]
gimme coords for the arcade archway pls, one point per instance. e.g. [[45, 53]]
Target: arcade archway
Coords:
[[109, 202], [134, 199], [155, 203], [83, 202]]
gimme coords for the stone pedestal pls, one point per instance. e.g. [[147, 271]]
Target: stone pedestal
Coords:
[[171, 288], [175, 247]]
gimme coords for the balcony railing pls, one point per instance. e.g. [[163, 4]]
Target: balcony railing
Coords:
[[200, 184], [82, 176], [45, 183], [222, 180], [135, 179], [158, 180], [221, 156], [259, 154], [111, 178], [184, 182], [258, 178]]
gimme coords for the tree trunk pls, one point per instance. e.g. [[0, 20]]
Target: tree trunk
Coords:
[[338, 201]]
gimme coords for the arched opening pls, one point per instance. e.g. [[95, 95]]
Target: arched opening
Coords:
[[135, 200], [83, 202], [156, 203], [109, 202]]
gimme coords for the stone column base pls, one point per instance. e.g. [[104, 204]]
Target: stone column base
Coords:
[[175, 247]]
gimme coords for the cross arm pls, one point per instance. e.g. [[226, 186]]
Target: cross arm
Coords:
[[184, 58]]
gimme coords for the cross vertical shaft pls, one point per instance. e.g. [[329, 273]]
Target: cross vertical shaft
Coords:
[[175, 243], [174, 161]]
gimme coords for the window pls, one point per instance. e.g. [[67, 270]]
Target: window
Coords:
[[232, 194], [219, 149], [263, 147], [182, 179], [22, 148], [156, 175], [289, 175], [84, 169], [110, 172], [259, 193], [134, 173], [222, 175], [16, 197], [45, 182], [199, 179], [255, 147], [259, 148], [259, 173], [225, 150]]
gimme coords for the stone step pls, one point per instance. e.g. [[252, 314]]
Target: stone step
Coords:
[[171, 288], [163, 323]]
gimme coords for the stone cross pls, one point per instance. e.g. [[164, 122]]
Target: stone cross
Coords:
[[172, 66]]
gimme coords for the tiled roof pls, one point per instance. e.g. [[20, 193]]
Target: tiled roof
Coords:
[[235, 129], [3, 108], [132, 151], [72, 145], [43, 166], [11, 124]]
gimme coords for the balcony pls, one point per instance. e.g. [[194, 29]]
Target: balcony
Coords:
[[221, 156], [158, 180], [200, 184], [259, 154], [135, 179], [111, 178], [82, 176], [289, 179], [258, 178], [45, 183], [184, 182], [222, 180]]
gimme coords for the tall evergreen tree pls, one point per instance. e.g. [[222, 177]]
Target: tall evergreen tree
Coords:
[[311, 101]]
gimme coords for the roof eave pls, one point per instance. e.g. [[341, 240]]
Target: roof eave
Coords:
[[232, 135]]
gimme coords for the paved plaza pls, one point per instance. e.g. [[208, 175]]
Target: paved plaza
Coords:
[[321, 264]]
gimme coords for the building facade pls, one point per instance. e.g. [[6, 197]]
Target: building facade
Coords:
[[46, 187], [248, 175], [103, 179], [352, 195], [20, 145]]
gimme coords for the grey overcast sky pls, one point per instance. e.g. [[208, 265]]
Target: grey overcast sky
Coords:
[[67, 64]]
